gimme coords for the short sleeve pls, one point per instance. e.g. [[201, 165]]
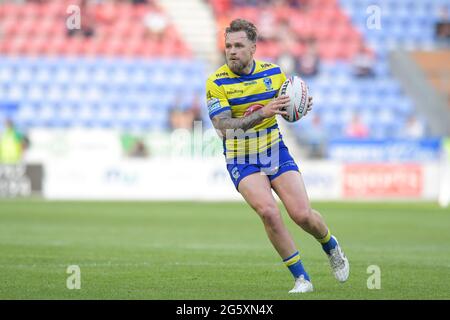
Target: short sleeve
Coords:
[[283, 77], [215, 99]]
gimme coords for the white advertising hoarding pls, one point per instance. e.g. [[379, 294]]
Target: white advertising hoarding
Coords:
[[166, 179], [207, 179], [158, 179]]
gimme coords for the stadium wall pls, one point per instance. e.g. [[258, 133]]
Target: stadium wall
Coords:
[[92, 165], [207, 179]]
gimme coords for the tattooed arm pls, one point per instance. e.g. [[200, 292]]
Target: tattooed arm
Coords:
[[224, 121]]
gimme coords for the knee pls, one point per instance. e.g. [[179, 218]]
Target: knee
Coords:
[[269, 214], [302, 216]]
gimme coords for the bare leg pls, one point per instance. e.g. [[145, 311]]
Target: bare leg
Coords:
[[256, 190], [290, 188]]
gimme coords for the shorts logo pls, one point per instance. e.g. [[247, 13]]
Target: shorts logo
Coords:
[[289, 163], [213, 105], [268, 83], [235, 173]]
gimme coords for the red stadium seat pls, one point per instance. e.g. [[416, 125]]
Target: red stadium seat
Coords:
[[10, 27], [73, 46], [38, 46], [31, 11], [329, 50], [102, 47], [6, 47], [54, 45], [220, 5], [114, 25], [8, 10], [323, 20], [298, 49]]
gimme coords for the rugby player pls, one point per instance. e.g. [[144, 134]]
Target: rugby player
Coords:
[[243, 104]]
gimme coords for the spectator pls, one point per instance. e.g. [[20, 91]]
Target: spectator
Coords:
[[174, 118], [156, 24], [180, 119], [134, 147], [287, 62], [316, 138], [442, 28], [414, 129], [196, 109], [356, 128], [285, 34], [363, 63], [267, 21], [287, 41], [138, 150], [182, 116], [308, 63], [12, 144]]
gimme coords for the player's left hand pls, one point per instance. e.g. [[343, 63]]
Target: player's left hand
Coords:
[[310, 104]]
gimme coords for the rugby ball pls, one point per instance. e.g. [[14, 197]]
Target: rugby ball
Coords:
[[297, 90]]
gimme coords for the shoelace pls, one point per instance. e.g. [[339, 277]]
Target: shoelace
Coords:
[[336, 260]]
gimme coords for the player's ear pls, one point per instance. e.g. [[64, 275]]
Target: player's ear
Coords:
[[253, 48]]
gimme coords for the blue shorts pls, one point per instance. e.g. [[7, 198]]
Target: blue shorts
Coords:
[[273, 163]]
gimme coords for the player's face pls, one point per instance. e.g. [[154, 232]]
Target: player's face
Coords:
[[239, 52]]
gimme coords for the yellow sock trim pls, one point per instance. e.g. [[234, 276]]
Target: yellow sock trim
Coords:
[[292, 261], [326, 238]]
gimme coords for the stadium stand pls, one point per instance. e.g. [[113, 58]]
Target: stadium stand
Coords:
[[40, 29], [97, 92], [118, 77], [339, 31], [51, 78]]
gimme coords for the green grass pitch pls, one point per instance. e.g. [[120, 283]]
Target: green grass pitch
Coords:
[[190, 250]]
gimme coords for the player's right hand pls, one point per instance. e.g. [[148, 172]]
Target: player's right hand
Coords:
[[276, 106]]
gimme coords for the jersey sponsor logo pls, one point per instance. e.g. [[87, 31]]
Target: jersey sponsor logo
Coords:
[[249, 83], [213, 105], [222, 74], [233, 91], [268, 84], [266, 65]]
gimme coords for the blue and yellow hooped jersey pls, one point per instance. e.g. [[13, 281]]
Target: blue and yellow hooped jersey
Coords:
[[226, 90]]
